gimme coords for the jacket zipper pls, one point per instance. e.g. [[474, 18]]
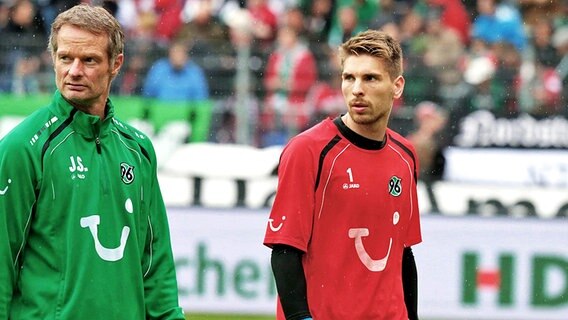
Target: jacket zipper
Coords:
[[98, 143]]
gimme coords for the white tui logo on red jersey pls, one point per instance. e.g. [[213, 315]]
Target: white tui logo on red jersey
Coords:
[[272, 227]]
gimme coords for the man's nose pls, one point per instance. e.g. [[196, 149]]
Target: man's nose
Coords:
[[357, 88], [76, 68]]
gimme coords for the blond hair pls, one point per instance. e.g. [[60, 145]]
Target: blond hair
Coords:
[[376, 44], [94, 19]]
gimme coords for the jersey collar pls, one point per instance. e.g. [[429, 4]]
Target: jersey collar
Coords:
[[357, 139]]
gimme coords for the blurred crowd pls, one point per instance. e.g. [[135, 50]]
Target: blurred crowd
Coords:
[[506, 56]]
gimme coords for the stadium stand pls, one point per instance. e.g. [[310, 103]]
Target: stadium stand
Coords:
[[527, 90]]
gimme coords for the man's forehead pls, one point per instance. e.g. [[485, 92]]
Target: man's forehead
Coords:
[[363, 64], [74, 38]]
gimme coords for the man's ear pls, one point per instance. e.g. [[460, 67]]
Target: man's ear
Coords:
[[117, 64], [398, 86]]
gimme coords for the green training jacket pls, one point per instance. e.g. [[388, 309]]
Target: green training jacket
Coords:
[[83, 227]]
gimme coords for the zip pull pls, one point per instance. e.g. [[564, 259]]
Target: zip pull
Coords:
[[98, 143]]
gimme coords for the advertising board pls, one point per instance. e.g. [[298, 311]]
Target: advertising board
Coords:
[[469, 267]]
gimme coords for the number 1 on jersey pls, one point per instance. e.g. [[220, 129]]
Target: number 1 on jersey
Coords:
[[350, 173]]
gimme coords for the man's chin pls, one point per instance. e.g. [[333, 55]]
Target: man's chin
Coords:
[[77, 99], [75, 94], [363, 119]]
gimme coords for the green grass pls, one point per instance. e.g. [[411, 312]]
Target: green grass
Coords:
[[195, 316]]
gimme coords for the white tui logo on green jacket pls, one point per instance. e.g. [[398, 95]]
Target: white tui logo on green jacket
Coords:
[[107, 254]]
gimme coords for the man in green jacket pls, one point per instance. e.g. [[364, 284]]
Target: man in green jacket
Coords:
[[83, 227]]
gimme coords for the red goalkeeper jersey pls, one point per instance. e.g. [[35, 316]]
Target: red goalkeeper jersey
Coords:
[[350, 204]]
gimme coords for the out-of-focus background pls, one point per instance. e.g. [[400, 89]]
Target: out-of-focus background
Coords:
[[221, 85]]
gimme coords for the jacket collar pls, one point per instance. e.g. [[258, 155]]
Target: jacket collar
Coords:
[[87, 125]]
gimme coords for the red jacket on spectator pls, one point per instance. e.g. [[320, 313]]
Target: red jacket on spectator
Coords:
[[169, 18], [265, 21], [290, 73], [455, 16], [303, 74]]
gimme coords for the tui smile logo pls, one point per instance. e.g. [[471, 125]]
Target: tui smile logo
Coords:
[[108, 254], [374, 265], [276, 228], [5, 189]]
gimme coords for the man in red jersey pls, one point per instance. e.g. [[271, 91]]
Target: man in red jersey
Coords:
[[346, 214]]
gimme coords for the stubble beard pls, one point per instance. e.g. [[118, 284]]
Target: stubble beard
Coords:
[[367, 119]]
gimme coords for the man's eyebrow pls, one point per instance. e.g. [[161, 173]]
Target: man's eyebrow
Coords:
[[83, 54], [365, 73]]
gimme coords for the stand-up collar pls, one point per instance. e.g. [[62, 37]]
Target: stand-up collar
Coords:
[[88, 125]]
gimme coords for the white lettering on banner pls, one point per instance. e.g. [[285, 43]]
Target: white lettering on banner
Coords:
[[228, 271], [483, 129]]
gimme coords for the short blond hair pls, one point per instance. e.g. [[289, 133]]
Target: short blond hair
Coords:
[[94, 19], [374, 43]]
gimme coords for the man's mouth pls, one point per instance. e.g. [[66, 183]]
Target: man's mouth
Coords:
[[358, 106], [75, 86]]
